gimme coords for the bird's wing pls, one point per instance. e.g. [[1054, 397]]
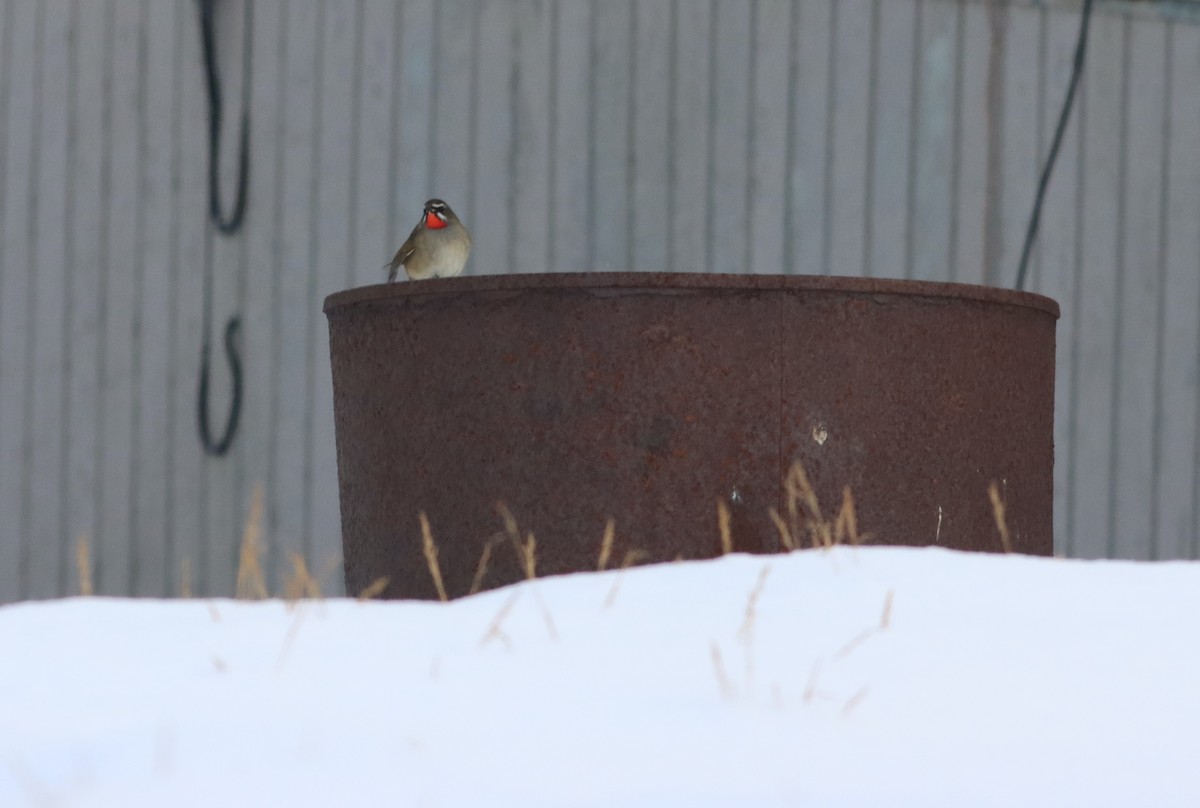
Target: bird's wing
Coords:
[[401, 257]]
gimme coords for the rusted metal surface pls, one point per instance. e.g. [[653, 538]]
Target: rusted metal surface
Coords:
[[648, 397]]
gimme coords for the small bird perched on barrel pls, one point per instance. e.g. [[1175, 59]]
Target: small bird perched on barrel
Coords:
[[437, 248]]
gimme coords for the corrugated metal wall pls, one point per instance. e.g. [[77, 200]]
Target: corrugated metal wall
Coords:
[[821, 136]]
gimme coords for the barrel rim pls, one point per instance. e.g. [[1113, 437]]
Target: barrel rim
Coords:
[[666, 281]]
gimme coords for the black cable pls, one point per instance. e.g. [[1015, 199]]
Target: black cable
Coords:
[[220, 446], [1064, 116], [215, 117]]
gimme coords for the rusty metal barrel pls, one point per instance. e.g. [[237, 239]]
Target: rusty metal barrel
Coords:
[[646, 399]]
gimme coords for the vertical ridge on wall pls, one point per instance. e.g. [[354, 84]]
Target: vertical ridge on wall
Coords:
[[571, 160], [15, 259], [373, 175], [187, 545], [45, 571], [890, 169], [849, 150], [115, 550], [492, 146], [650, 121], [732, 67], [690, 144], [333, 202], [456, 27], [294, 301], [88, 149], [970, 191], [767, 208], [1179, 349], [159, 224], [530, 190], [1092, 447], [932, 175], [1138, 291], [225, 267], [413, 113], [256, 442], [613, 76], [1057, 253], [807, 185]]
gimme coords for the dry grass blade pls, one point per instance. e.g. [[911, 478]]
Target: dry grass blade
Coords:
[[631, 557], [83, 562], [528, 553], [527, 549], [482, 567], [723, 526], [431, 555], [290, 638], [854, 701], [846, 524], [510, 522], [810, 690], [998, 515], [726, 686], [251, 583], [885, 619], [551, 629], [785, 533], [606, 544], [374, 589], [300, 584], [801, 492], [185, 578], [746, 632], [862, 637], [494, 630]]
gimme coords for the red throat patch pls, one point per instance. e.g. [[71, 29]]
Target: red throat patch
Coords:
[[433, 222]]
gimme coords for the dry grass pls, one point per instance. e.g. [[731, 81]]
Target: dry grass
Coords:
[[300, 584], [547, 618], [526, 548], [374, 589], [528, 553], [482, 567], [805, 519], [854, 701], [631, 557], [289, 639], [83, 563], [431, 555], [785, 533], [998, 515], [495, 630], [723, 526], [845, 527], [885, 619], [251, 584], [606, 544], [746, 631], [185, 578], [727, 690]]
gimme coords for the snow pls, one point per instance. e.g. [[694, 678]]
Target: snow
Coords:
[[990, 680]]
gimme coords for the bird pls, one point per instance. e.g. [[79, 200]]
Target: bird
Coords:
[[437, 248]]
